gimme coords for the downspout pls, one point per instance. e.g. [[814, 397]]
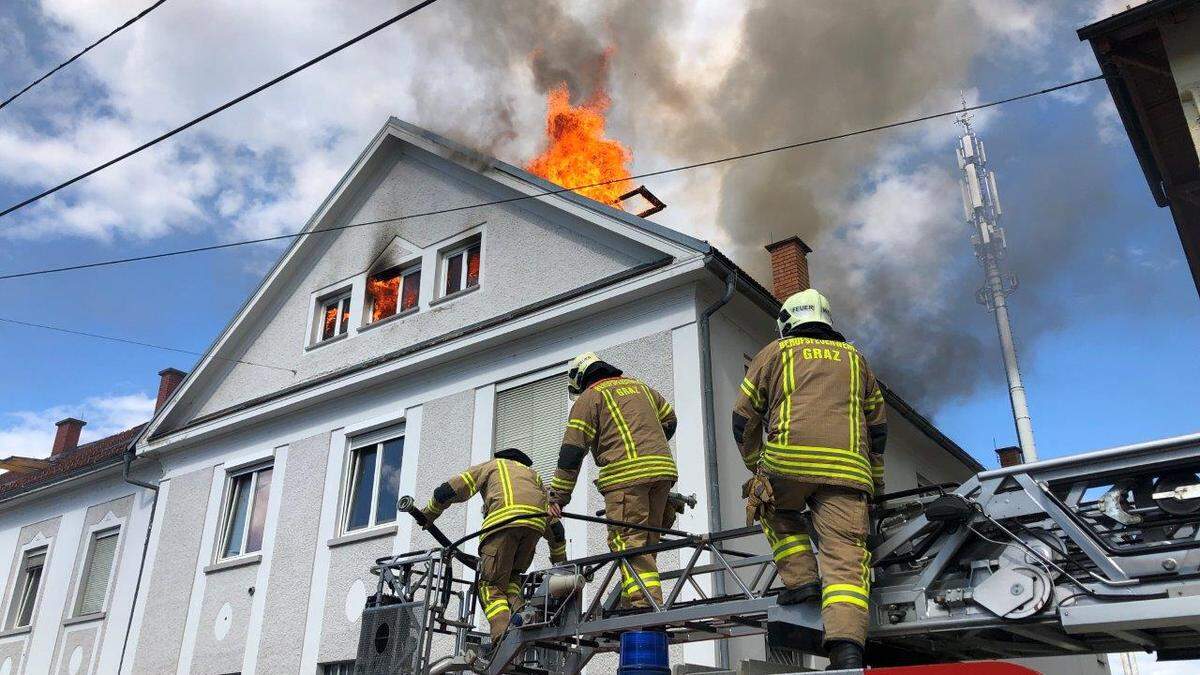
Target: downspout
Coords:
[[137, 586], [708, 403]]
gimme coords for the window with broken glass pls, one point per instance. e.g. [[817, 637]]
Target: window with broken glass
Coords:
[[245, 512], [334, 317], [460, 268], [393, 291]]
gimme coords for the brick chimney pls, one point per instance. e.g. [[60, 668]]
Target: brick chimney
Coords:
[[168, 380], [1009, 456], [66, 438], [789, 267]]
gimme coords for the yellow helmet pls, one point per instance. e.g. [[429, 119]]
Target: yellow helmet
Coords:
[[578, 371], [807, 306]]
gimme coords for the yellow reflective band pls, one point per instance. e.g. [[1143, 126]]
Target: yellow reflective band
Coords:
[[665, 412], [561, 548], [855, 399], [586, 429], [466, 476], [562, 484], [505, 481], [496, 607], [845, 593], [803, 462], [793, 550], [622, 428], [434, 508], [788, 452], [782, 543], [648, 466], [788, 362], [507, 512]]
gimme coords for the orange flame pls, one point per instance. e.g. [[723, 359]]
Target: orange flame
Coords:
[[577, 153], [383, 292]]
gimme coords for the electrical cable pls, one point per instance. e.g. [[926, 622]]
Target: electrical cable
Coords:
[[85, 50], [221, 108], [69, 331], [535, 195]]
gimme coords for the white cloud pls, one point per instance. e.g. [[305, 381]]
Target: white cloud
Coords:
[[30, 433], [1108, 122], [1016, 24]]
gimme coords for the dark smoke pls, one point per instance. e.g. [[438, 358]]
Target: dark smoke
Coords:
[[902, 279]]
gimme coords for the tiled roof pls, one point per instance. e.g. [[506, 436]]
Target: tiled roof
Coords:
[[69, 463]]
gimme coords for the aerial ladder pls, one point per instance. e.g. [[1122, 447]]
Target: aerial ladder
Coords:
[[1094, 553]]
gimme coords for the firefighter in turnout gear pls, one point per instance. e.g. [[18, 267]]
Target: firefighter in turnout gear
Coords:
[[816, 401], [626, 426], [510, 488]]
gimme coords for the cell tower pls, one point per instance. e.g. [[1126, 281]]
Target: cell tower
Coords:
[[981, 206]]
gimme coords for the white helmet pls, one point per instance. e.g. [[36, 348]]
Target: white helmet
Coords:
[[807, 306], [578, 371]]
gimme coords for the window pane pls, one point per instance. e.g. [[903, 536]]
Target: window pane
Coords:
[[99, 569], [258, 514], [238, 506], [329, 325], [345, 316], [473, 266], [382, 291], [412, 290], [454, 273], [389, 481], [29, 589], [362, 484]]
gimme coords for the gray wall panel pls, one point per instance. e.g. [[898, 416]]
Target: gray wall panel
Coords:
[[224, 618], [170, 582]]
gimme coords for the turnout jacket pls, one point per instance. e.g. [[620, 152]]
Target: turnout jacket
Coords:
[[509, 489], [626, 425], [822, 412]]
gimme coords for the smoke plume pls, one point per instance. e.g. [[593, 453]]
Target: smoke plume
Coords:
[[890, 249]]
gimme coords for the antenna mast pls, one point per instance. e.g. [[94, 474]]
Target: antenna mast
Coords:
[[981, 206]]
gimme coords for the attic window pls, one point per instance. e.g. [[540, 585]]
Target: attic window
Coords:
[[334, 317], [460, 267], [393, 291]]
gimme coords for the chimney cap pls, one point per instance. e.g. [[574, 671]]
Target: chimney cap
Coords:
[[171, 371], [774, 245], [70, 420]]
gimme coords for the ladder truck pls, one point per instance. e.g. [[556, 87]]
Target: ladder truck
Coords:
[[1094, 553]]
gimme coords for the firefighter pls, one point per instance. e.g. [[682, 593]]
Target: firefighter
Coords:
[[626, 425], [510, 488], [822, 412]]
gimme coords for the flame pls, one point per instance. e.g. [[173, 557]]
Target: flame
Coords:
[[383, 292], [577, 153]]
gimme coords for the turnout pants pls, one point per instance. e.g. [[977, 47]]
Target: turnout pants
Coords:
[[642, 504], [503, 558], [839, 519]]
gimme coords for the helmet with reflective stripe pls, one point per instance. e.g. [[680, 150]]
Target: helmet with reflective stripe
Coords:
[[807, 306], [578, 371]]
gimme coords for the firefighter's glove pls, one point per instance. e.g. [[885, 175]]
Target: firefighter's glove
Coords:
[[759, 496]]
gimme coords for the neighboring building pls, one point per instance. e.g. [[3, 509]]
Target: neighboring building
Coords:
[[73, 533], [405, 350], [1151, 56]]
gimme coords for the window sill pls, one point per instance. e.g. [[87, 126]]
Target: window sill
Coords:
[[84, 618], [11, 632], [455, 294], [322, 343], [234, 563], [386, 320], [363, 535]]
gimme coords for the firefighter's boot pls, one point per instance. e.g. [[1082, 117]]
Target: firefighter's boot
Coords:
[[844, 654], [800, 595]]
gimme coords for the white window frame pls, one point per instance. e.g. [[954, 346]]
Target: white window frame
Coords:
[[100, 531], [406, 270], [356, 447], [17, 604], [227, 506], [444, 257], [338, 297]]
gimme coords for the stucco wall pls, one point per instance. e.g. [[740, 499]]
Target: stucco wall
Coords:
[[224, 620], [294, 549], [515, 244], [168, 594]]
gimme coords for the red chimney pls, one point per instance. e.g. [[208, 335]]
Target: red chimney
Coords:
[[789, 267], [168, 380], [1009, 456], [67, 436]]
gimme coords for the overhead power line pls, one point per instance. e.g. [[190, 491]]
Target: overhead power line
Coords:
[[465, 207], [95, 336], [221, 108], [85, 50]]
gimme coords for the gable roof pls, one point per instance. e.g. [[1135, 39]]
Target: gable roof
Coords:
[[98, 454]]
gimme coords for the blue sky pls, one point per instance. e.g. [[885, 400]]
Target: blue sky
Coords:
[[1107, 315]]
